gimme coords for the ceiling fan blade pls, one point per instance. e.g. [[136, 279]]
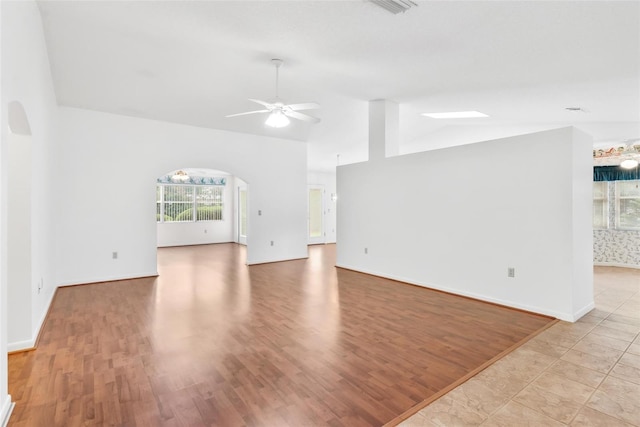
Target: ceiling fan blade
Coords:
[[266, 104], [248, 112], [300, 116], [304, 106]]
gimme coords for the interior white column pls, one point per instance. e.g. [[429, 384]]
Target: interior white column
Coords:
[[384, 129]]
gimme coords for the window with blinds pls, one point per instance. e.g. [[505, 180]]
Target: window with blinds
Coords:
[[600, 205], [188, 203], [209, 203], [628, 204]]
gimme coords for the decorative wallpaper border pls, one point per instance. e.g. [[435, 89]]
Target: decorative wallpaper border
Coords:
[[194, 180]]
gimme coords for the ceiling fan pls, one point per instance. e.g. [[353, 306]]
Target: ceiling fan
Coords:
[[279, 112]]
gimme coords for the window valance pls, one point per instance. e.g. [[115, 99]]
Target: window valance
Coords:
[[615, 173]]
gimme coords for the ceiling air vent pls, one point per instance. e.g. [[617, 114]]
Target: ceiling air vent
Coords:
[[395, 6]]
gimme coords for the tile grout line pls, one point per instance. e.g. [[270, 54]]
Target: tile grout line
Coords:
[[546, 369], [608, 373]]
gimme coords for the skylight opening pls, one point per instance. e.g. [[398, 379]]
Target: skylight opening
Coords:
[[456, 115]]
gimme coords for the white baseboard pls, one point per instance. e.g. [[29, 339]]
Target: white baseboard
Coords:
[[5, 411], [479, 297], [267, 261], [616, 264], [292, 257], [583, 311], [31, 343], [21, 345], [43, 317], [92, 280]]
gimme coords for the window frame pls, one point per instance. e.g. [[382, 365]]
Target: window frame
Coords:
[[194, 202], [605, 204], [618, 197]]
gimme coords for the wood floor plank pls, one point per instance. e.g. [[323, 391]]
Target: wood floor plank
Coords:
[[213, 342]]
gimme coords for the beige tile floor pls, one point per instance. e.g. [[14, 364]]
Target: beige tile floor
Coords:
[[585, 373]]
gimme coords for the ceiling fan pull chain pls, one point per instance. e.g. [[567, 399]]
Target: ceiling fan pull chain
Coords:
[[278, 63]]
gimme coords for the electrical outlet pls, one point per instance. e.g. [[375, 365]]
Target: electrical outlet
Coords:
[[114, 255], [366, 251], [272, 243], [511, 272], [205, 231]]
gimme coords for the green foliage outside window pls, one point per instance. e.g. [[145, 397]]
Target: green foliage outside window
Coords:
[[177, 202]]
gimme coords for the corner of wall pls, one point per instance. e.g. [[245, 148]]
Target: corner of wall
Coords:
[[5, 410], [31, 342], [582, 223], [581, 312]]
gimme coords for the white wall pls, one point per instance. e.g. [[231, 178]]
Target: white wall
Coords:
[[456, 219], [26, 78], [85, 208], [5, 399], [19, 218], [581, 220], [195, 233], [328, 181], [97, 216]]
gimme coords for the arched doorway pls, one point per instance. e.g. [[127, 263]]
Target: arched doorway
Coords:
[[200, 206], [18, 234]]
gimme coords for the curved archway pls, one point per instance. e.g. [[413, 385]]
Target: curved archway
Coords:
[[17, 119], [200, 206], [19, 221]]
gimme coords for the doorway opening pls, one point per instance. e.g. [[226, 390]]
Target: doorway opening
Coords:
[[197, 206], [19, 221], [315, 222], [242, 214]]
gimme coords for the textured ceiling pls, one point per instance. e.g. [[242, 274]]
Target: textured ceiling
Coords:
[[195, 62]]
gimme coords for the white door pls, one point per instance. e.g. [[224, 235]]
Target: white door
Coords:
[[315, 221], [242, 215]]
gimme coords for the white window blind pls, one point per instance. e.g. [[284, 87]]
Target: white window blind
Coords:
[[628, 205], [209, 203], [184, 203], [600, 205]]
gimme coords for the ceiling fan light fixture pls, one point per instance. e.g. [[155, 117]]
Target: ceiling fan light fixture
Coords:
[[629, 164], [180, 176], [277, 119], [279, 112]]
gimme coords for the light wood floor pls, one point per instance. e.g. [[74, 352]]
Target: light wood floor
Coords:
[[214, 342]]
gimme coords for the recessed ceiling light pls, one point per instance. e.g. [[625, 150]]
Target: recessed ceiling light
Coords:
[[456, 115]]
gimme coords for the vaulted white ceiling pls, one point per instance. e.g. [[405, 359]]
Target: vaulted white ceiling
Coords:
[[194, 62]]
